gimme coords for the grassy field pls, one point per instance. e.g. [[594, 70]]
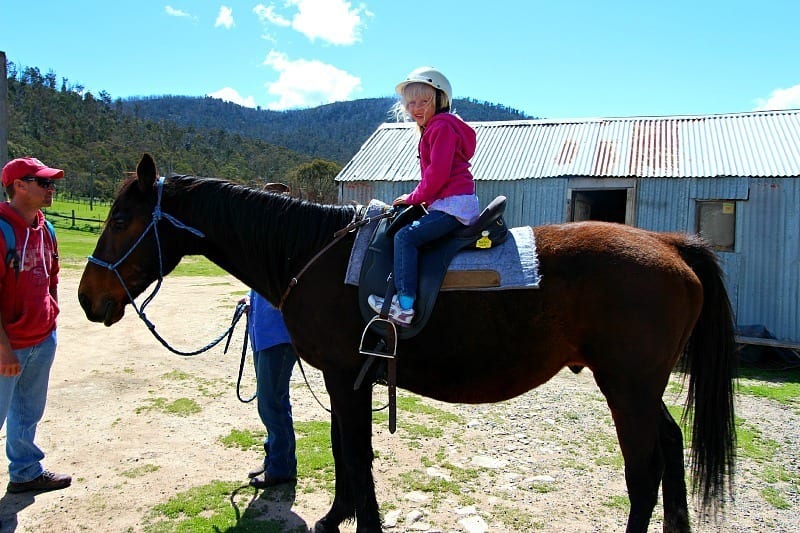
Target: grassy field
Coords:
[[77, 238]]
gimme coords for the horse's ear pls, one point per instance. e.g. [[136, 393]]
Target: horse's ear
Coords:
[[146, 172]]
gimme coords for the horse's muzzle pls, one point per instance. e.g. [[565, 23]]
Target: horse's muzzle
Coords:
[[108, 312]]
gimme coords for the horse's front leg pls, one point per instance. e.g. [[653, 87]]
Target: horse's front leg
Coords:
[[351, 442], [343, 507]]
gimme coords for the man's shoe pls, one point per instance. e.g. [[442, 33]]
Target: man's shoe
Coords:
[[397, 314], [270, 481], [46, 481], [257, 471]]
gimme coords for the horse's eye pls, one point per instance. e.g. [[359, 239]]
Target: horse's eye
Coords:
[[118, 222]]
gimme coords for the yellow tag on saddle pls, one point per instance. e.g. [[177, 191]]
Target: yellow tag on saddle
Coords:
[[484, 241]]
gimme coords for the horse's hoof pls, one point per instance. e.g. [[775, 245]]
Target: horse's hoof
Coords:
[[320, 527]]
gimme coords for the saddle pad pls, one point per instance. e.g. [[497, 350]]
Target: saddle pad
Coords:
[[515, 260]]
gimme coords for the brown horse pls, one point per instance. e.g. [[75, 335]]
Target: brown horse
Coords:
[[623, 302]]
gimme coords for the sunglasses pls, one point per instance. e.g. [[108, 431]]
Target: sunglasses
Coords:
[[44, 183]]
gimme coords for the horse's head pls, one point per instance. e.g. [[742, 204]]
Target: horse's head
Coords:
[[126, 259]]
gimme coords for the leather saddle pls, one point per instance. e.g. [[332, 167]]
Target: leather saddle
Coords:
[[487, 231]]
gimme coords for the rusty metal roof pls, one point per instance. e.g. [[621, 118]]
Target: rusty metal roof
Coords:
[[758, 143]]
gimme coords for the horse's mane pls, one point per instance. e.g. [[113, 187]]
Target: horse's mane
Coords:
[[273, 226]]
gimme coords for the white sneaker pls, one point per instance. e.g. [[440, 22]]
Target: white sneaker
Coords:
[[396, 313]]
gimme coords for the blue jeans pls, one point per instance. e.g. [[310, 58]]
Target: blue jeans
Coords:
[[407, 241], [273, 371], [22, 401]]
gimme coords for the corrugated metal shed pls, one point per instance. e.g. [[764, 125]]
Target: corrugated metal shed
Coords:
[[666, 166], [756, 144]]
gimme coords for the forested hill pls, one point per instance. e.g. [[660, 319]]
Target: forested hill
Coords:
[[97, 144], [334, 131], [98, 140]]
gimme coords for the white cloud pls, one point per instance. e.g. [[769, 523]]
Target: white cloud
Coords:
[[267, 14], [173, 12], [304, 83], [781, 99], [333, 21], [229, 94], [225, 18]]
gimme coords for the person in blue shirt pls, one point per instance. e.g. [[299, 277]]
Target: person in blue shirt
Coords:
[[274, 358]]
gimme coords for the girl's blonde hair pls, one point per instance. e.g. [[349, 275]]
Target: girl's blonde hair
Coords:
[[419, 90]]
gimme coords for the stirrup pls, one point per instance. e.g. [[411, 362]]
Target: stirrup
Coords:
[[392, 336]]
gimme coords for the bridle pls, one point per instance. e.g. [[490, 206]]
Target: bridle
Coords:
[[157, 216]]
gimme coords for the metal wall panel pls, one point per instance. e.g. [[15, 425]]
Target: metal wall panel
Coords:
[[768, 225], [663, 205]]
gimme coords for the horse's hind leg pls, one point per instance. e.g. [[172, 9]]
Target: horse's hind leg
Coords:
[[673, 486], [637, 418]]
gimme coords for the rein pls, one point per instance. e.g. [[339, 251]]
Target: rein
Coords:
[[358, 221], [158, 215]]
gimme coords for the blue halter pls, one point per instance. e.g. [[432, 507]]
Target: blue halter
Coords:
[[158, 215]]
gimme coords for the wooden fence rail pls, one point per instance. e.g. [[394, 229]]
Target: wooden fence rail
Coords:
[[73, 219]]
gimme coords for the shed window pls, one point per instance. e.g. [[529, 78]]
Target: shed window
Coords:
[[716, 223]]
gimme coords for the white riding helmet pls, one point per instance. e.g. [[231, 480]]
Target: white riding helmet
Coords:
[[428, 76]]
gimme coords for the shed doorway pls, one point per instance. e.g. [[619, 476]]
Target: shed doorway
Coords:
[[608, 205]]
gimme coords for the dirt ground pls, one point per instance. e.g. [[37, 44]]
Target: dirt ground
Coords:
[[545, 462]]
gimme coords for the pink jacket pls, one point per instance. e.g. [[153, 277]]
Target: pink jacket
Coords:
[[446, 146], [27, 304]]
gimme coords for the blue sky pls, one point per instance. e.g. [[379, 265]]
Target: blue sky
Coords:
[[553, 59]]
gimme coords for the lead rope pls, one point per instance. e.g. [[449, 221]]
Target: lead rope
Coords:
[[244, 355]]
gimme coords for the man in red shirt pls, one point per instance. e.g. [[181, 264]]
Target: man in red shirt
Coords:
[[28, 311]]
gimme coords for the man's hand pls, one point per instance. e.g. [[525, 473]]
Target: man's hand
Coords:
[[9, 364]]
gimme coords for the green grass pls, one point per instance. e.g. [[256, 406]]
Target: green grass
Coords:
[[783, 386], [98, 211], [139, 471], [212, 508], [179, 407], [215, 506], [415, 404], [416, 480], [314, 457], [773, 497], [244, 439], [618, 502], [515, 519]]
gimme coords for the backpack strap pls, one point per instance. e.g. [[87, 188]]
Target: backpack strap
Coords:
[[52, 230], [12, 257]]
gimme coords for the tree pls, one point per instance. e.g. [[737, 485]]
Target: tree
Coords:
[[315, 181]]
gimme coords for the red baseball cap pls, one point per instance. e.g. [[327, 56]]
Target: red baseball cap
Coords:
[[25, 167]]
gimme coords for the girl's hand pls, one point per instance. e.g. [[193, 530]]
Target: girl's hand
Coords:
[[400, 200]]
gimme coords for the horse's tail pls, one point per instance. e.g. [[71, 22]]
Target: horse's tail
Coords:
[[710, 360]]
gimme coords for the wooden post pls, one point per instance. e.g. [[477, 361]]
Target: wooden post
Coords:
[[3, 109]]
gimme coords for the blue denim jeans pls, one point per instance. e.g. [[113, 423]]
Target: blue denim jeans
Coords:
[[22, 401], [273, 371], [407, 241]]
